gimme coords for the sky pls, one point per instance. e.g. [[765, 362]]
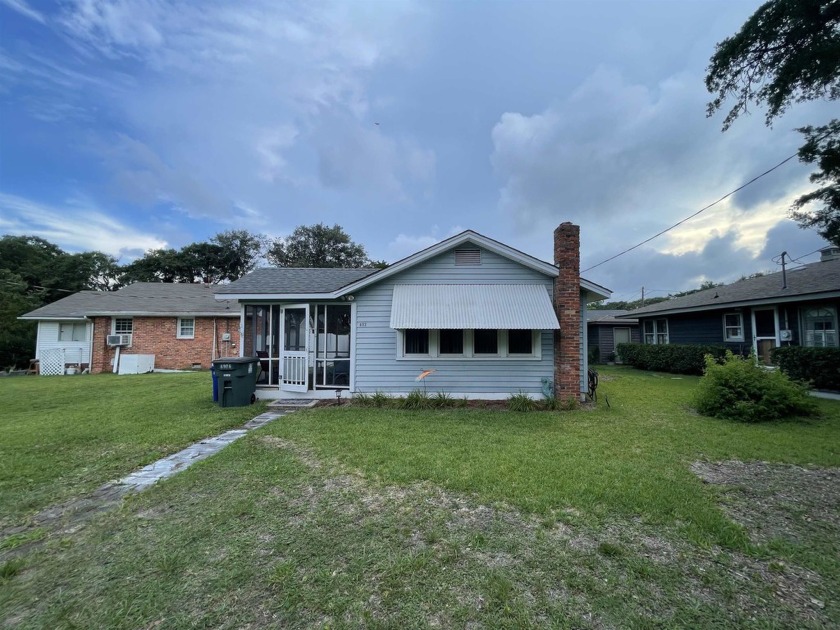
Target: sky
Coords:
[[132, 125]]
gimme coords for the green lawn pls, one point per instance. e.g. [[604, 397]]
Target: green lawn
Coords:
[[344, 517], [65, 436]]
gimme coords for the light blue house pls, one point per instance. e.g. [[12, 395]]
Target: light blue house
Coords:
[[484, 319]]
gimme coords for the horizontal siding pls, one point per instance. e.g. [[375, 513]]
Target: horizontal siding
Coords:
[[74, 351], [377, 366]]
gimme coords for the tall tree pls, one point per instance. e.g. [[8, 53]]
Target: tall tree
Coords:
[[239, 252], [788, 52], [317, 246], [17, 338]]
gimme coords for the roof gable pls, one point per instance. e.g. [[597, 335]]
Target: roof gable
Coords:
[[468, 237]]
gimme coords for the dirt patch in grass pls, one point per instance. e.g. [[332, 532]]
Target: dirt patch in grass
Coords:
[[777, 501]]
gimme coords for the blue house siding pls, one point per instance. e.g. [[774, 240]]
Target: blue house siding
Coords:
[[706, 327], [603, 336], [377, 365]]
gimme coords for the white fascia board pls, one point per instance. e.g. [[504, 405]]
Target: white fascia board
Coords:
[[276, 297], [430, 252], [804, 297], [596, 291], [55, 318], [232, 313]]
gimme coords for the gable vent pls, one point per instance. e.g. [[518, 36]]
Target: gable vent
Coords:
[[467, 256]]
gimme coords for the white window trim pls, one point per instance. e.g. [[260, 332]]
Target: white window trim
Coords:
[[469, 354], [72, 329], [114, 329], [804, 325], [178, 334], [740, 326], [656, 332]]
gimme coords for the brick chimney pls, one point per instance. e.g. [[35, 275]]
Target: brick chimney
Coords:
[[567, 341]]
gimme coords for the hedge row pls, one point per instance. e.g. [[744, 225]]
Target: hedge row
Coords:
[[675, 358], [818, 366]]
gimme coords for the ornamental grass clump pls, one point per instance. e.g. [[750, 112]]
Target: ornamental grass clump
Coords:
[[740, 389]]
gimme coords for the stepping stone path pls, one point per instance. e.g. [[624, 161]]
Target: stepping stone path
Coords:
[[69, 517]]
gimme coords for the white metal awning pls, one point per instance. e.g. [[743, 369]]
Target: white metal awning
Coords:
[[478, 306]]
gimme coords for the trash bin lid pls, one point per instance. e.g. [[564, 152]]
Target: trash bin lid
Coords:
[[237, 360]]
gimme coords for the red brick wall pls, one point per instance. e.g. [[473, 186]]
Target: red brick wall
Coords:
[[158, 336], [567, 343]]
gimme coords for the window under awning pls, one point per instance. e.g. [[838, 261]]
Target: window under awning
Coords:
[[476, 306]]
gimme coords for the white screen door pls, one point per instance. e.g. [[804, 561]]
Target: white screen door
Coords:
[[294, 353]]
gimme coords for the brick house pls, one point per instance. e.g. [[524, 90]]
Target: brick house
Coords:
[[480, 318], [181, 325]]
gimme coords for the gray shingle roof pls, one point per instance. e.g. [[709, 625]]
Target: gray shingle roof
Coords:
[[142, 298], [818, 277], [290, 280], [606, 316]]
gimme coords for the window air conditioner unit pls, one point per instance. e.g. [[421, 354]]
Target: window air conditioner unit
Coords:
[[119, 340]]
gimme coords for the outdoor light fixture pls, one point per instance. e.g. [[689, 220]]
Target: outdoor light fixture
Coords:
[[338, 396]]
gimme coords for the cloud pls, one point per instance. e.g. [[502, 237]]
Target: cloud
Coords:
[[25, 10], [198, 105], [626, 161], [405, 245], [355, 157], [75, 226]]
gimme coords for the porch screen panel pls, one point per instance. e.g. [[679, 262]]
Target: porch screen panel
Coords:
[[332, 353]]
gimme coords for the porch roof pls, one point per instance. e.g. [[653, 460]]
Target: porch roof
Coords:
[[477, 306]]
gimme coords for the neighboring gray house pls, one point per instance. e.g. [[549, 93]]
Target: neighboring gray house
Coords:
[[487, 320], [756, 314], [605, 332]]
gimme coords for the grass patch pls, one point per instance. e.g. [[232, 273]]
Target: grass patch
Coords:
[[348, 517], [65, 436]]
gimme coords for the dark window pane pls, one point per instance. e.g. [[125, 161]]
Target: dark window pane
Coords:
[[520, 342], [486, 341], [452, 342], [417, 342]]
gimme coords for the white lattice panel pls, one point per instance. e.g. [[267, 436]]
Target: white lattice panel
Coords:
[[52, 361]]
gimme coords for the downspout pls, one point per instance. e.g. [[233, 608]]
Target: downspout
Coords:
[[241, 330], [213, 354], [90, 348]]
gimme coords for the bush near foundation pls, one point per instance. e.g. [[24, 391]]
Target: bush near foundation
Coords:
[[820, 367], [740, 389], [674, 358]]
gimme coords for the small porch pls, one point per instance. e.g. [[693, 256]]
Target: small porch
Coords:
[[305, 349]]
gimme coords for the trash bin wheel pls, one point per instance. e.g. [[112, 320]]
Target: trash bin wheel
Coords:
[[253, 398]]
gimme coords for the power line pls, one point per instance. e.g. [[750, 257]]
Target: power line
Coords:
[[701, 210]]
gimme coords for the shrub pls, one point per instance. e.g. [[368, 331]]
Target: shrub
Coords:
[[441, 400], [521, 402], [360, 399], [379, 399], [594, 354], [416, 399], [740, 389], [818, 366], [675, 358]]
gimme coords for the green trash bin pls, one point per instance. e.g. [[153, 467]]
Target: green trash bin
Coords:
[[237, 378]]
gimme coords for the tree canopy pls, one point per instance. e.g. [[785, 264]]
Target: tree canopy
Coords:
[[227, 256], [319, 246], [788, 52]]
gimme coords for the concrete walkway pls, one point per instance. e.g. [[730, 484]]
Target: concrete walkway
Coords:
[[175, 463], [71, 516]]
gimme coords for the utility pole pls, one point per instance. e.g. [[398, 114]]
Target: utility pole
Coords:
[[784, 273], [643, 296]]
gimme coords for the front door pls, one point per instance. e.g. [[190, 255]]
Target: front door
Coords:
[[620, 335], [294, 353], [765, 333]]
